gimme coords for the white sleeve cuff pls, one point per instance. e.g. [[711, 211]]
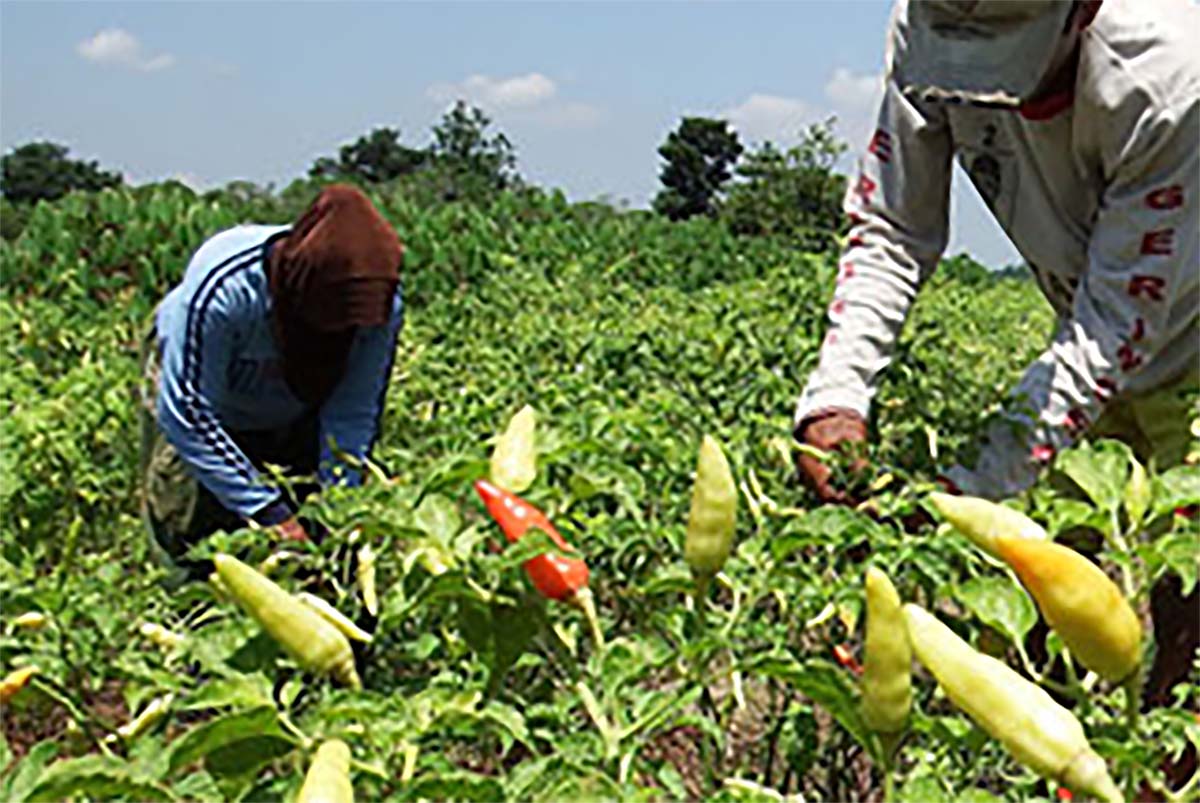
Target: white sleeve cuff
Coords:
[[839, 398]]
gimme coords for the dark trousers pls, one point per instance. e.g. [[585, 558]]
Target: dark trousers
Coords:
[[180, 511]]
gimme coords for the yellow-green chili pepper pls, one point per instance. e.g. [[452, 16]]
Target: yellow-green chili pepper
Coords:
[[334, 617], [151, 715], [983, 522], [1036, 730], [274, 561], [328, 778], [514, 460], [161, 636], [1083, 606], [886, 681], [713, 515], [32, 620], [310, 640], [16, 680], [365, 572]]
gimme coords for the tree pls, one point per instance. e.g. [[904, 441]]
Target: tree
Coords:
[[472, 161], [699, 155], [373, 158], [41, 171], [794, 193]]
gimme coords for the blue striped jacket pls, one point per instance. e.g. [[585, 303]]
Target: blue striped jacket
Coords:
[[222, 371]]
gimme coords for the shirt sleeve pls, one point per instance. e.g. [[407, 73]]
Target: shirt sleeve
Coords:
[[350, 417], [194, 372], [898, 207], [1131, 306]]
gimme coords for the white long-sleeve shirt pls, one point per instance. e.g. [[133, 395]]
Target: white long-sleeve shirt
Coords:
[[1100, 193]]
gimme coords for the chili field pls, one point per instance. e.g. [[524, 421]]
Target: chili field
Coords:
[[632, 338]]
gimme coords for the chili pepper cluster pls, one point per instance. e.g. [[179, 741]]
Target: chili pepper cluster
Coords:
[[1077, 600], [1075, 597]]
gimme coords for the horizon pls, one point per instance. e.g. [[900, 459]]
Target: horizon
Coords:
[[172, 91]]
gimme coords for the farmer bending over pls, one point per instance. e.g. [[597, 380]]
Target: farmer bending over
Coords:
[[277, 344], [1079, 124]]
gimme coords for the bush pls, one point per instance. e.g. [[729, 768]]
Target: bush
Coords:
[[793, 193]]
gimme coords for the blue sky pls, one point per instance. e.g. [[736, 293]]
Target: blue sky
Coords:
[[209, 92]]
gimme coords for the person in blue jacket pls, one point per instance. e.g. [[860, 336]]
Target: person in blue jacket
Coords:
[[275, 348]]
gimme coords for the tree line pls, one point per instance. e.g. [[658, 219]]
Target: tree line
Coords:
[[794, 192]]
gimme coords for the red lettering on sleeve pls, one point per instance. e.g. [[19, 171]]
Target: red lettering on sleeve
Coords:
[[837, 308], [1152, 286], [1139, 330], [856, 219], [1159, 243], [855, 242], [1105, 388], [847, 272], [865, 188], [1129, 358], [1075, 420], [1166, 197], [881, 145]]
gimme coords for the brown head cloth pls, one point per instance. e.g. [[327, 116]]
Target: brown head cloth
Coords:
[[336, 270]]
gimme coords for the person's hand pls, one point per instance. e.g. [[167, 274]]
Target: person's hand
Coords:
[[829, 431], [292, 530]]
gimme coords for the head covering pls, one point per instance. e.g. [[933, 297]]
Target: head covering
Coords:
[[981, 51], [337, 269]]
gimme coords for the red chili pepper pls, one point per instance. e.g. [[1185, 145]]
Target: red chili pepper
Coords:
[[556, 577], [846, 658]]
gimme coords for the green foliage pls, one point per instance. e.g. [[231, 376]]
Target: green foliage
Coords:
[[471, 163], [698, 156], [791, 193], [12, 218], [373, 158], [41, 171], [463, 162], [632, 336]]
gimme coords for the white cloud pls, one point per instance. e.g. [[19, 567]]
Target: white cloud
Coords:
[[770, 117], [112, 45], [120, 47], [854, 92], [531, 99], [854, 98], [520, 91]]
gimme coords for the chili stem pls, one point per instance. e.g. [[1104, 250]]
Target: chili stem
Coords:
[[1133, 700], [1122, 546], [1038, 677], [291, 728], [586, 602], [369, 769], [889, 783], [889, 743]]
